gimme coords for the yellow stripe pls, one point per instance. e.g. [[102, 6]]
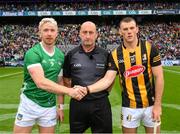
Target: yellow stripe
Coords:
[[157, 57], [115, 57], [148, 48], [156, 60], [128, 81], [140, 78]]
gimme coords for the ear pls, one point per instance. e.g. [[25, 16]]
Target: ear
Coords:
[[120, 32], [97, 34], [39, 33], [137, 29], [80, 34]]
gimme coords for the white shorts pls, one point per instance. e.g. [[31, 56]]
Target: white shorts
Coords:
[[29, 113], [131, 118]]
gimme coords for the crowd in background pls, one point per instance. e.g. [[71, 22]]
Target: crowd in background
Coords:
[[89, 6], [15, 40]]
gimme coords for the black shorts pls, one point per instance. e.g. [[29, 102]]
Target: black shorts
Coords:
[[95, 114]]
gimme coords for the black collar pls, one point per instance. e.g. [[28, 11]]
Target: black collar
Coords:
[[94, 51]]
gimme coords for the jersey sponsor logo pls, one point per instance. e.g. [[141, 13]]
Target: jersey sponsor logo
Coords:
[[134, 71]]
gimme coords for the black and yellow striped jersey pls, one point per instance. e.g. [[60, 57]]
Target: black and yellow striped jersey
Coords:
[[136, 78]]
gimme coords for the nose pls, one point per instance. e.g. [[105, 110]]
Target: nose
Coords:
[[87, 35], [49, 32]]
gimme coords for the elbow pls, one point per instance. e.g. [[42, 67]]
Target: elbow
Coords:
[[40, 84]]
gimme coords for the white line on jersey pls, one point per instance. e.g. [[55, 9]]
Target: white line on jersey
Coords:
[[7, 75]]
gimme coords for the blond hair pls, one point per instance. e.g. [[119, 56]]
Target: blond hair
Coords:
[[47, 20]]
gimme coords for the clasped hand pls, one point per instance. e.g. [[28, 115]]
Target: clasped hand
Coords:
[[78, 92]]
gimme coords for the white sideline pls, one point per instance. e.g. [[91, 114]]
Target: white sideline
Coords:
[[168, 70], [7, 75], [115, 115]]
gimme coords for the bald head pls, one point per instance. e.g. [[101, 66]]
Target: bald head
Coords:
[[88, 34], [88, 24]]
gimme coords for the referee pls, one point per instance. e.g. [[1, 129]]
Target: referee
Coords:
[[84, 65]]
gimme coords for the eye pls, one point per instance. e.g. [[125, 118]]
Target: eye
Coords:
[[132, 28], [45, 30], [125, 29]]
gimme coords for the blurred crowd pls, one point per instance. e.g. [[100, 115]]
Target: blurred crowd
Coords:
[[15, 40], [46, 6]]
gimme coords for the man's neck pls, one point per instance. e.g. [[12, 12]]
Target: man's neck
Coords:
[[131, 45], [88, 48], [48, 48]]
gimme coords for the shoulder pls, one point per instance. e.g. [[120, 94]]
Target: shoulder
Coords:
[[101, 50], [34, 50], [74, 50], [59, 52], [150, 45]]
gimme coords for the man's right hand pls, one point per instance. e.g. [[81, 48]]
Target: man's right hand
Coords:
[[78, 92]]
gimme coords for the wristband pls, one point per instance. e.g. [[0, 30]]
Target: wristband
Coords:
[[61, 106], [88, 91]]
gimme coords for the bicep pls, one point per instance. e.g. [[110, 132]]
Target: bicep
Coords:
[[36, 73], [110, 76], [157, 71]]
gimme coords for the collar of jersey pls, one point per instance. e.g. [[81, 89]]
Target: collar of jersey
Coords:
[[81, 50], [50, 54]]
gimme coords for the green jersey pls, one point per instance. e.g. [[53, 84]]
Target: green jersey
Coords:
[[51, 64]]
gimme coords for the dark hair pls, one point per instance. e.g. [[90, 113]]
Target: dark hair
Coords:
[[127, 19]]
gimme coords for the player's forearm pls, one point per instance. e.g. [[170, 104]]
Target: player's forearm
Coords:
[[51, 86], [159, 87], [60, 100], [103, 83], [100, 85]]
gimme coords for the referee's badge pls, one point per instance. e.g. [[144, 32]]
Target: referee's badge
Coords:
[[109, 64]]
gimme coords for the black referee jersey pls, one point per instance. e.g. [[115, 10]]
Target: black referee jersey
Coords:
[[86, 68], [136, 78]]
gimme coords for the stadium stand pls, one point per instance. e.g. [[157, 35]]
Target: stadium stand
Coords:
[[160, 26]]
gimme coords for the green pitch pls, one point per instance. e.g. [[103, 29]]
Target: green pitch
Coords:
[[11, 81]]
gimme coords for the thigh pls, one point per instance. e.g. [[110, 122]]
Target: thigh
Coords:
[[101, 116], [44, 130], [129, 130], [131, 117], [147, 119], [25, 116], [47, 117], [78, 116], [19, 129], [152, 130], [149, 124]]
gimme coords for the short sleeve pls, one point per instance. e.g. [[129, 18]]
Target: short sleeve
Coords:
[[111, 63], [155, 59], [31, 57], [67, 67]]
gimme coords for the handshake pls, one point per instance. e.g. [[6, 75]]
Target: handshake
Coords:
[[78, 92]]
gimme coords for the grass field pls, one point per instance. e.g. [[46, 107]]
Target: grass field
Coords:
[[11, 81]]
